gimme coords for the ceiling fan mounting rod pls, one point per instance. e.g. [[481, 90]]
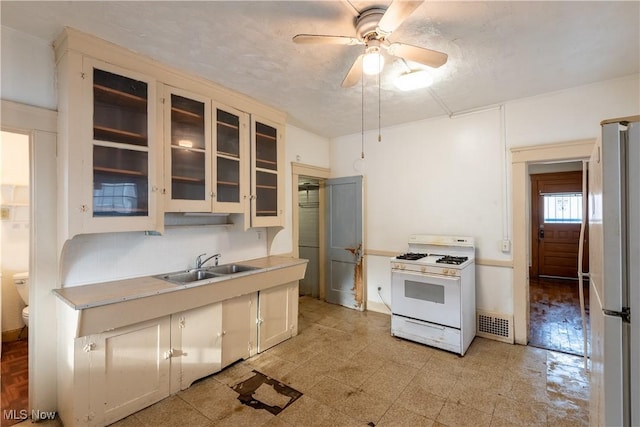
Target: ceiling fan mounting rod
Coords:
[[367, 24]]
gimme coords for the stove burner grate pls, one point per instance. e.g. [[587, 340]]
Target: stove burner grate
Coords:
[[448, 259], [412, 256]]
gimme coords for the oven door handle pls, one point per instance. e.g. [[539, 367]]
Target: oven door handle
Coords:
[[429, 325], [426, 275]]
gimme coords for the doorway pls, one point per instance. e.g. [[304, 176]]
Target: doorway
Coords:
[[14, 266], [309, 234], [308, 224], [556, 217]]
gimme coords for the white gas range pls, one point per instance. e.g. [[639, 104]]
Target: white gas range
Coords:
[[433, 292]]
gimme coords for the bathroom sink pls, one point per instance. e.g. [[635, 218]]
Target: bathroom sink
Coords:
[[188, 276], [230, 269]]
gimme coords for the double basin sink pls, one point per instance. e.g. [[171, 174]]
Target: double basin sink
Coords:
[[195, 275]]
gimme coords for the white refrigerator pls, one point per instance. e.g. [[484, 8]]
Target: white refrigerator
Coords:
[[614, 274]]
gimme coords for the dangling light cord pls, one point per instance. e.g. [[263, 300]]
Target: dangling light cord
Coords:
[[379, 79], [362, 112]]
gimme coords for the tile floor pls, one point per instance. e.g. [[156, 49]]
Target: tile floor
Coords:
[[352, 372]]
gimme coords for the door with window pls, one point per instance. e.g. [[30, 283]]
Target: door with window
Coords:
[[556, 216]]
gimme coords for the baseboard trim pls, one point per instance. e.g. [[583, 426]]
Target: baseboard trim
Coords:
[[378, 307], [15, 334]]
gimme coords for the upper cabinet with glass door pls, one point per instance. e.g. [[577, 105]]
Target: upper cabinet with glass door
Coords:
[[187, 151], [205, 165], [122, 151], [231, 149], [267, 173]]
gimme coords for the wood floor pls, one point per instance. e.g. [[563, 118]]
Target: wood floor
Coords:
[[14, 382], [555, 322]]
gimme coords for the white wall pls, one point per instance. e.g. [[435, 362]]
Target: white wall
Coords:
[[451, 176], [14, 237], [27, 69]]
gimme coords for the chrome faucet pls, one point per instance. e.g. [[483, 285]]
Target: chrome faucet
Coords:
[[200, 262]]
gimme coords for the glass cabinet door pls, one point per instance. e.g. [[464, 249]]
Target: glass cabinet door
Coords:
[[187, 130], [268, 167], [230, 157], [120, 145]]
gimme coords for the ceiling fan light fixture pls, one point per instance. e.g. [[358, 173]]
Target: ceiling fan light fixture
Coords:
[[372, 61], [413, 80]]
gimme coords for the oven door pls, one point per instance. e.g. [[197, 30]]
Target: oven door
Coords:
[[426, 297]]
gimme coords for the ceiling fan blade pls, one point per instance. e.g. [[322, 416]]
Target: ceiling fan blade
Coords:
[[323, 39], [396, 13], [429, 57], [354, 74]]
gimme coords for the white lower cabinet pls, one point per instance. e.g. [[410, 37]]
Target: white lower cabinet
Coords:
[[239, 328], [122, 371], [129, 369], [196, 344], [277, 315]]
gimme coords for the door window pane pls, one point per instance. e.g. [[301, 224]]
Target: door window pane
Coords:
[[266, 194], [120, 182], [563, 208], [228, 180], [119, 109]]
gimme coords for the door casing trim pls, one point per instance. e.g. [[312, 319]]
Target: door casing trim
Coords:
[[521, 157]]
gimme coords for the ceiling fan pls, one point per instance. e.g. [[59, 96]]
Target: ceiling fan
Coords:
[[373, 27]]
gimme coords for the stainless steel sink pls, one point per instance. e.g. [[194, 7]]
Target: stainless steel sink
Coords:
[[184, 277], [230, 269], [188, 276]]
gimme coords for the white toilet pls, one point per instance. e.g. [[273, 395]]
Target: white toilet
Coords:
[[21, 280]]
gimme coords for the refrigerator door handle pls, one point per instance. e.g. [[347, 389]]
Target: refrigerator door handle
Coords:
[[625, 314], [581, 274]]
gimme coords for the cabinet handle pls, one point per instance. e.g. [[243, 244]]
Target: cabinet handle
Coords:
[[168, 354], [260, 321]]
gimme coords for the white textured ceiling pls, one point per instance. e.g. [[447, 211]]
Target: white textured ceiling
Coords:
[[498, 51]]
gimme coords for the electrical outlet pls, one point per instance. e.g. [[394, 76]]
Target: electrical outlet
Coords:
[[505, 245]]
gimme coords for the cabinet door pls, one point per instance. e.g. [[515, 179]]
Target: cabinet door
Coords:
[[121, 173], [267, 173], [197, 343], [187, 122], [231, 148], [129, 369], [238, 326], [277, 315]]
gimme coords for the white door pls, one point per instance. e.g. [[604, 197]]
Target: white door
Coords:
[[344, 242], [277, 315], [237, 324], [129, 369], [197, 347]]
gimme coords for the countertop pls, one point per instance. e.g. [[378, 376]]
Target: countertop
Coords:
[[100, 294]]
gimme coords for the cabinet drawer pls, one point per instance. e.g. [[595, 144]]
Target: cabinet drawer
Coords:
[[427, 333]]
